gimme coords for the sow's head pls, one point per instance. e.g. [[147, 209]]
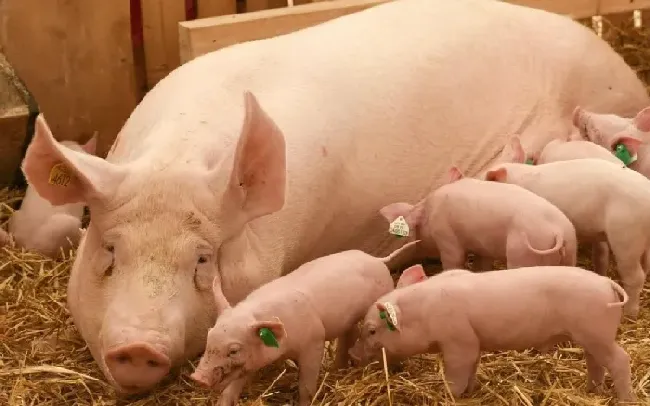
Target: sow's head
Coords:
[[140, 288]]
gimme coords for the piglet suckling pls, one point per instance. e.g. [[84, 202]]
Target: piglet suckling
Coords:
[[563, 150], [292, 317], [461, 313], [604, 201], [626, 138], [42, 227], [469, 215]]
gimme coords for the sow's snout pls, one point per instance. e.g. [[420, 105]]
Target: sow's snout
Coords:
[[137, 366]]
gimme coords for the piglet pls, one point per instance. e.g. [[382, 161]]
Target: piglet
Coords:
[[460, 313], [292, 317], [359, 357], [625, 137], [42, 227], [604, 201], [472, 215], [565, 150]]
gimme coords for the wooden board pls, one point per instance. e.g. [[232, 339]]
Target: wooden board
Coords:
[[209, 34], [14, 118], [76, 59], [160, 20], [211, 8], [584, 8]]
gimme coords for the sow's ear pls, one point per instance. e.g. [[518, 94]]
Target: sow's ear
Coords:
[[497, 175], [61, 175], [411, 275], [258, 179], [455, 174], [394, 210]]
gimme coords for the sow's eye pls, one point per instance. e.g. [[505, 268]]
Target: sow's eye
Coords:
[[203, 272], [110, 259]]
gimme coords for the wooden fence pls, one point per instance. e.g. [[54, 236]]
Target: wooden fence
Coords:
[[88, 63]]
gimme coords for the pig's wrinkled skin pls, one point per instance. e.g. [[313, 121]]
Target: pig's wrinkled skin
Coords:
[[604, 201], [41, 227], [460, 314], [564, 150], [320, 301], [492, 221], [608, 130], [261, 156]]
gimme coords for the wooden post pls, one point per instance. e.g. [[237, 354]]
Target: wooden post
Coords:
[[211, 8], [160, 20], [76, 59]]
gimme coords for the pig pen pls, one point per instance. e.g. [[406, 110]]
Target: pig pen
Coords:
[[43, 360]]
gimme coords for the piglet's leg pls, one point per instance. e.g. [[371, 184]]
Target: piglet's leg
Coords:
[[600, 257], [343, 345], [461, 361], [309, 363], [595, 374], [230, 395], [617, 362]]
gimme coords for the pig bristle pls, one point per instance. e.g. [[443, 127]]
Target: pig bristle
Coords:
[[43, 360]]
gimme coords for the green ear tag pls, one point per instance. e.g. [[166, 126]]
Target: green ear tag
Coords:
[[268, 338], [382, 315], [622, 153], [529, 161]]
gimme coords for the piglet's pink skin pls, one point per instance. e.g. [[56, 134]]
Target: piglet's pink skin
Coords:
[[604, 201], [359, 356], [563, 150], [321, 300], [461, 313], [471, 215], [43, 227], [609, 130]]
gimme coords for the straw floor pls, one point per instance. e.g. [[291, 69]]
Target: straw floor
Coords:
[[43, 361]]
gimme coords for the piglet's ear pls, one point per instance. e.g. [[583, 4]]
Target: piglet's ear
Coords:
[[388, 312], [642, 120], [497, 175], [91, 145], [411, 275], [270, 333], [578, 117], [61, 175], [631, 143], [455, 174], [394, 210], [219, 298], [258, 178]]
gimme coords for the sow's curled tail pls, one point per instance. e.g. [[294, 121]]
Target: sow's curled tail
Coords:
[[618, 289], [398, 251]]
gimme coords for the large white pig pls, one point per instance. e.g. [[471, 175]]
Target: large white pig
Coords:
[[268, 154]]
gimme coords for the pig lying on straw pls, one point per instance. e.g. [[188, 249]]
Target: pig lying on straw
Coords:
[[42, 227], [292, 317], [461, 313]]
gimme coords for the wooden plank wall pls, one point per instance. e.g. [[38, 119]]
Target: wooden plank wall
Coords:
[[87, 70], [76, 59]]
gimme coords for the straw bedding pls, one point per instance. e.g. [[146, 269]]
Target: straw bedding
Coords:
[[43, 360]]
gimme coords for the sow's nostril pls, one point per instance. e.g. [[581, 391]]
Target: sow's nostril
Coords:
[[137, 366]]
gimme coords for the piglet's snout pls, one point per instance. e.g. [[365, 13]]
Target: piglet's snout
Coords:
[[207, 378], [137, 366]]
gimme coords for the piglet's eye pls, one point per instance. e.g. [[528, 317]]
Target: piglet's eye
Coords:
[[372, 331], [111, 250], [233, 351], [203, 259]]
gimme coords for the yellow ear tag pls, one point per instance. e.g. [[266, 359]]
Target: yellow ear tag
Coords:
[[59, 175], [399, 227]]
